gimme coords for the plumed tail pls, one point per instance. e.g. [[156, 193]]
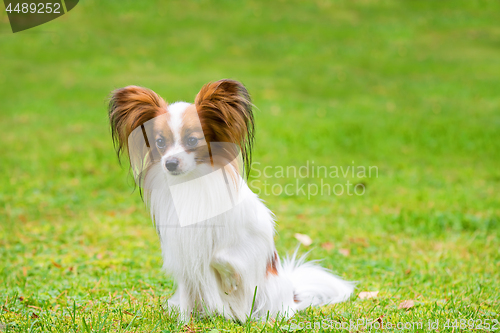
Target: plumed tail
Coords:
[[313, 284]]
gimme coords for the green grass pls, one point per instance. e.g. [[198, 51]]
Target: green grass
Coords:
[[408, 86]]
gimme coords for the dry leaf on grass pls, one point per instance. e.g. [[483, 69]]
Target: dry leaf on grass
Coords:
[[359, 240], [367, 294], [344, 252], [408, 304], [130, 210], [304, 239], [327, 246], [56, 264]]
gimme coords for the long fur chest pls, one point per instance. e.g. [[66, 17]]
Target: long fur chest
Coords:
[[188, 250]]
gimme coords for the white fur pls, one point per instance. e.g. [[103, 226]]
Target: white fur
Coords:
[[176, 111], [219, 262], [187, 162]]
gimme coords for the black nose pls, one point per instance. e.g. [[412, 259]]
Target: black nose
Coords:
[[172, 164]]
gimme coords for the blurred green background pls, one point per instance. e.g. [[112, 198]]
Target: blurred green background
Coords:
[[411, 87]]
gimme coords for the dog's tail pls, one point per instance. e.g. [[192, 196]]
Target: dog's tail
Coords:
[[313, 284]]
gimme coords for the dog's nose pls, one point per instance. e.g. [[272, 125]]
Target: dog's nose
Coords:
[[172, 164]]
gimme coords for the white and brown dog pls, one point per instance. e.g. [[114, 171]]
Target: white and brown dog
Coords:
[[226, 262]]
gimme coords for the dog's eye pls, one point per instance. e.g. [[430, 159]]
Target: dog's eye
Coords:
[[191, 141], [161, 143]]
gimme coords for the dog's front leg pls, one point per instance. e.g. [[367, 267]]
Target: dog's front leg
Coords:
[[183, 303], [228, 272]]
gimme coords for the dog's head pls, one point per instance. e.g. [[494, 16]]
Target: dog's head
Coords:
[[182, 136]]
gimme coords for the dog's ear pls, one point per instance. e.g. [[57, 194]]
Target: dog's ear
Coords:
[[129, 108], [225, 111]]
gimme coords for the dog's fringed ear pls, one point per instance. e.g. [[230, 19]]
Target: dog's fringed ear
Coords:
[[129, 108], [225, 111]]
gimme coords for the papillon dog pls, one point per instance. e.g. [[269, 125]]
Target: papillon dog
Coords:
[[191, 163]]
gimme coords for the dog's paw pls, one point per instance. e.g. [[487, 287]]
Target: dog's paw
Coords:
[[230, 283], [230, 279], [175, 300]]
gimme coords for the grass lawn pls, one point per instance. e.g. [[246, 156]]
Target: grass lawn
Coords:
[[410, 88]]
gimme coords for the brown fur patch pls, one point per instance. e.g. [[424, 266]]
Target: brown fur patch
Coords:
[[162, 130], [225, 111], [191, 121], [129, 108], [272, 267], [191, 127], [296, 298]]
